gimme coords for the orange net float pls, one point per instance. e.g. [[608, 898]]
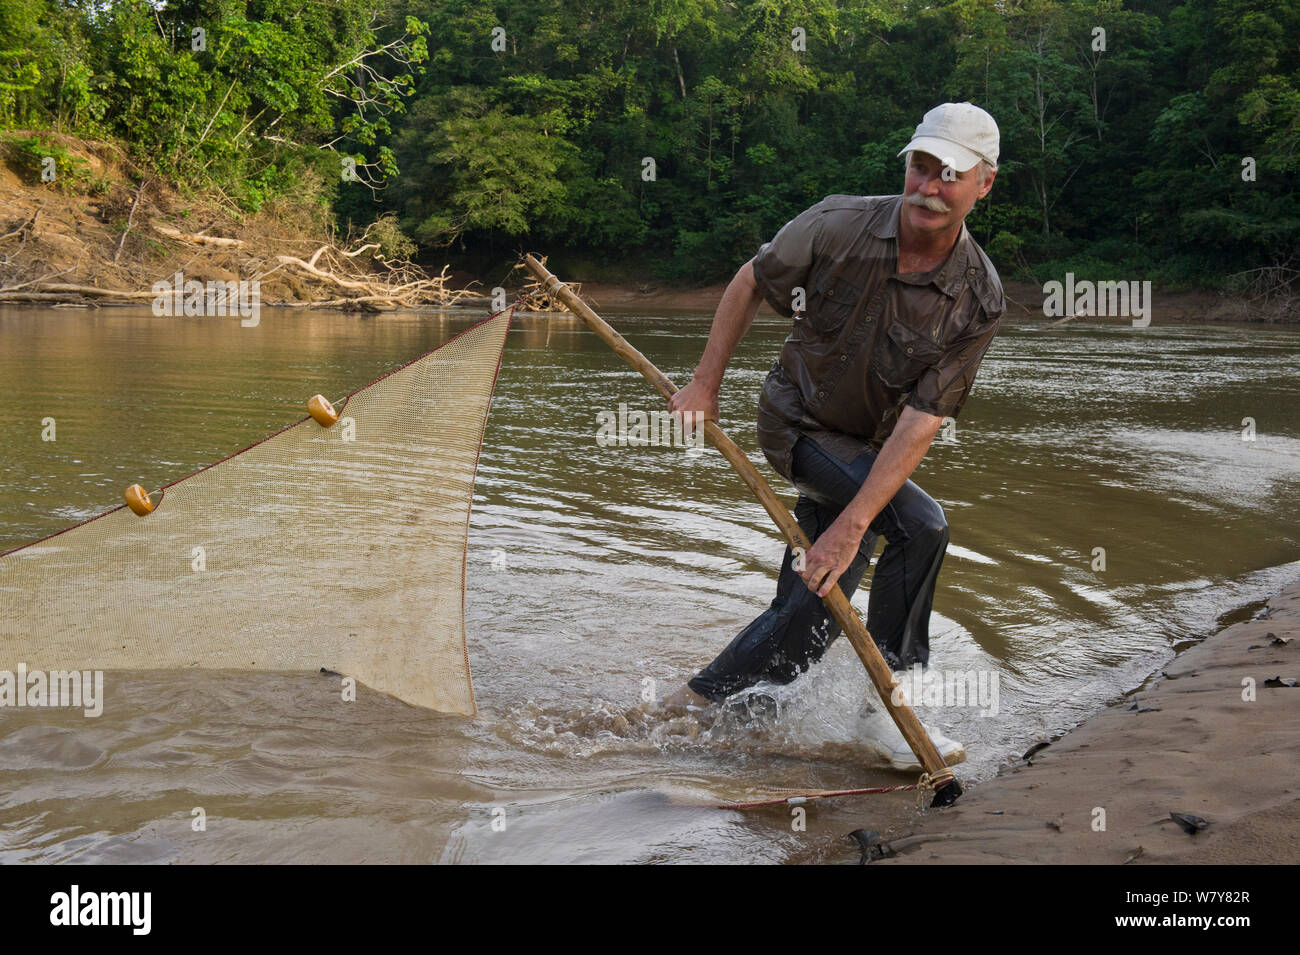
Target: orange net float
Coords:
[[320, 409], [137, 498]]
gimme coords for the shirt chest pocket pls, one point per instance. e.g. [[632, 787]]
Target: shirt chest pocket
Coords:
[[833, 302], [902, 354]]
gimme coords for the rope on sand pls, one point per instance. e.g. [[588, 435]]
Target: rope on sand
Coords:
[[794, 797]]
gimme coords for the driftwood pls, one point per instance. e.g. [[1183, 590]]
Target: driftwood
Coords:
[[62, 291], [403, 286], [399, 287], [213, 240], [371, 303], [310, 267], [53, 297], [352, 273]]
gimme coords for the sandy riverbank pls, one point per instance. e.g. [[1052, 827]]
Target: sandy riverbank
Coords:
[[1193, 745]]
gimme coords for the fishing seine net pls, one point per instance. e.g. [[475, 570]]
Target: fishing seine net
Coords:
[[338, 547]]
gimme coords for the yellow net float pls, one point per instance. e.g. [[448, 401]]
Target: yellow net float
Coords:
[[137, 498], [322, 411]]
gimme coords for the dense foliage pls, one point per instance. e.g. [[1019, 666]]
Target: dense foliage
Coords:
[[685, 132]]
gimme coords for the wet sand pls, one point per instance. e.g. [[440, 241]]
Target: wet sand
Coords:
[[1192, 745]]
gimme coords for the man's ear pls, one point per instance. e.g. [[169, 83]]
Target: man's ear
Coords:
[[988, 184]]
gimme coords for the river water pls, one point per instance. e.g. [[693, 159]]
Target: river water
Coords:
[[599, 574]]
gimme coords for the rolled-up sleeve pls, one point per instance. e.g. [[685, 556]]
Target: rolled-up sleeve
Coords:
[[783, 265], [943, 388]]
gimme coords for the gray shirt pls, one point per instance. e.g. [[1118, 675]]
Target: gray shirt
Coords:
[[868, 341]]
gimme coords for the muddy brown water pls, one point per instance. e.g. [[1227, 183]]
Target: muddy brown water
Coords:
[[596, 574]]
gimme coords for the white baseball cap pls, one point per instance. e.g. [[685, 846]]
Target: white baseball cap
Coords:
[[958, 135]]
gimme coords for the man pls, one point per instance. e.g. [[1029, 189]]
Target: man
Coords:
[[896, 305]]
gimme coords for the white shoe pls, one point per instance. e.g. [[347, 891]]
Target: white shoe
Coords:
[[885, 738]]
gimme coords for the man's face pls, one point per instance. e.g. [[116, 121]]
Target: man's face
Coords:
[[955, 192]]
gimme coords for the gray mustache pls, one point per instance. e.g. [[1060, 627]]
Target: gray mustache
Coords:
[[933, 203]]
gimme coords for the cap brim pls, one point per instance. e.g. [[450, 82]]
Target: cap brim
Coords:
[[944, 150]]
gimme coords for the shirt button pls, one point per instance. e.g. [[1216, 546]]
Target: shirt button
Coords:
[[844, 358], [909, 349], [821, 394], [970, 271]]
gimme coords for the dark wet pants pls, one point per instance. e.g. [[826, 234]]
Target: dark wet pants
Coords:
[[794, 632]]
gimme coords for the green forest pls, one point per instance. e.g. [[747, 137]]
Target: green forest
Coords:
[[1157, 138]]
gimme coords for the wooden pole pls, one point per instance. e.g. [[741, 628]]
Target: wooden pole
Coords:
[[940, 775]]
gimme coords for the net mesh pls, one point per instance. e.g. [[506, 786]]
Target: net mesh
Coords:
[[340, 548]]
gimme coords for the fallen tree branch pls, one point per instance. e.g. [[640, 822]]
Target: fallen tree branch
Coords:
[[6, 296], [368, 245], [22, 228], [92, 290], [30, 282], [130, 216], [376, 300], [197, 239], [310, 267]]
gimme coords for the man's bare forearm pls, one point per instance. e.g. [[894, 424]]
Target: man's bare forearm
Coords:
[[732, 320], [894, 464]]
